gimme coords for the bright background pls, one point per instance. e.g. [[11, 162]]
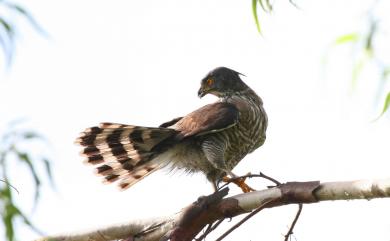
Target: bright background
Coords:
[[141, 62]]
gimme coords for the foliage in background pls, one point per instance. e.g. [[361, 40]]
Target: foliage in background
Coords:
[[363, 42], [368, 51], [15, 142], [15, 146], [266, 7], [9, 12]]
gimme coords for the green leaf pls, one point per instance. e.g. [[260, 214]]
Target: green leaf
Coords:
[[47, 164], [357, 69], [293, 3], [9, 227], [24, 157], [7, 26], [31, 135], [254, 11], [385, 106], [385, 73], [269, 5], [6, 39], [370, 36], [347, 38], [27, 221], [22, 11], [262, 5], [8, 217], [8, 30], [11, 213]]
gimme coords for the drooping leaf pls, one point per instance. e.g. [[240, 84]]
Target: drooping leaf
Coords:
[[31, 135], [7, 26], [47, 164], [386, 73], [11, 144], [370, 36], [269, 5], [357, 69], [387, 103], [3, 44], [11, 213], [24, 157], [293, 3], [26, 220], [386, 106], [6, 37], [8, 213], [254, 11], [7, 31], [9, 227], [262, 5], [23, 12]]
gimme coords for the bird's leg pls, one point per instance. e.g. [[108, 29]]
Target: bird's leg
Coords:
[[214, 152], [239, 181], [211, 176], [215, 186]]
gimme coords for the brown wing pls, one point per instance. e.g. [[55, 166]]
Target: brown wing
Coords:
[[171, 122], [210, 118]]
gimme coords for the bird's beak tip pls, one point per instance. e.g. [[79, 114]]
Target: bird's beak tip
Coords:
[[201, 93]]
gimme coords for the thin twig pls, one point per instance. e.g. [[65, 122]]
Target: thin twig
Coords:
[[277, 183], [264, 205], [290, 231], [209, 229]]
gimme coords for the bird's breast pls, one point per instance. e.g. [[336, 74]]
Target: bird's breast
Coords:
[[249, 133]]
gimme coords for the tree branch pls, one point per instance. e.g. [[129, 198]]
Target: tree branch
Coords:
[[186, 224]]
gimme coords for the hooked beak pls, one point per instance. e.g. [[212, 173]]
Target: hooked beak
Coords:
[[202, 92]]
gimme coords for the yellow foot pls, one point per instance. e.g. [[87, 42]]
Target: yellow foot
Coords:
[[240, 182]]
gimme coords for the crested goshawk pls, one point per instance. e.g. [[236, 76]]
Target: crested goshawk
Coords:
[[211, 139]]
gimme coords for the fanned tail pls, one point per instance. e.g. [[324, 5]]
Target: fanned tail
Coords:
[[123, 153]]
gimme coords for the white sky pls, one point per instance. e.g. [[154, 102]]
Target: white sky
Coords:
[[140, 62]]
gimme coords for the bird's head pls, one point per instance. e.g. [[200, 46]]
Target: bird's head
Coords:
[[221, 82]]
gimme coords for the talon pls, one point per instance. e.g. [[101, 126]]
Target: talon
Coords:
[[240, 182], [226, 179]]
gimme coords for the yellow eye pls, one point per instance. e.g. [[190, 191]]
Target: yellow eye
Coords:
[[210, 82]]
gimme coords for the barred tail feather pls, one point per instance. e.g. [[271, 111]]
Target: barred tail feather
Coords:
[[124, 153]]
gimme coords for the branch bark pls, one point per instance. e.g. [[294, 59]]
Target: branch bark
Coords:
[[186, 224]]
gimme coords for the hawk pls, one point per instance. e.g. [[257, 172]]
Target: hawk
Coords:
[[212, 139]]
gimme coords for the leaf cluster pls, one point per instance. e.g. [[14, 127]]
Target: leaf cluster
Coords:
[[8, 12], [367, 51], [362, 41], [13, 148], [266, 6]]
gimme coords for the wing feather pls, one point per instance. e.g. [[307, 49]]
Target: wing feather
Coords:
[[171, 122], [208, 119]]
